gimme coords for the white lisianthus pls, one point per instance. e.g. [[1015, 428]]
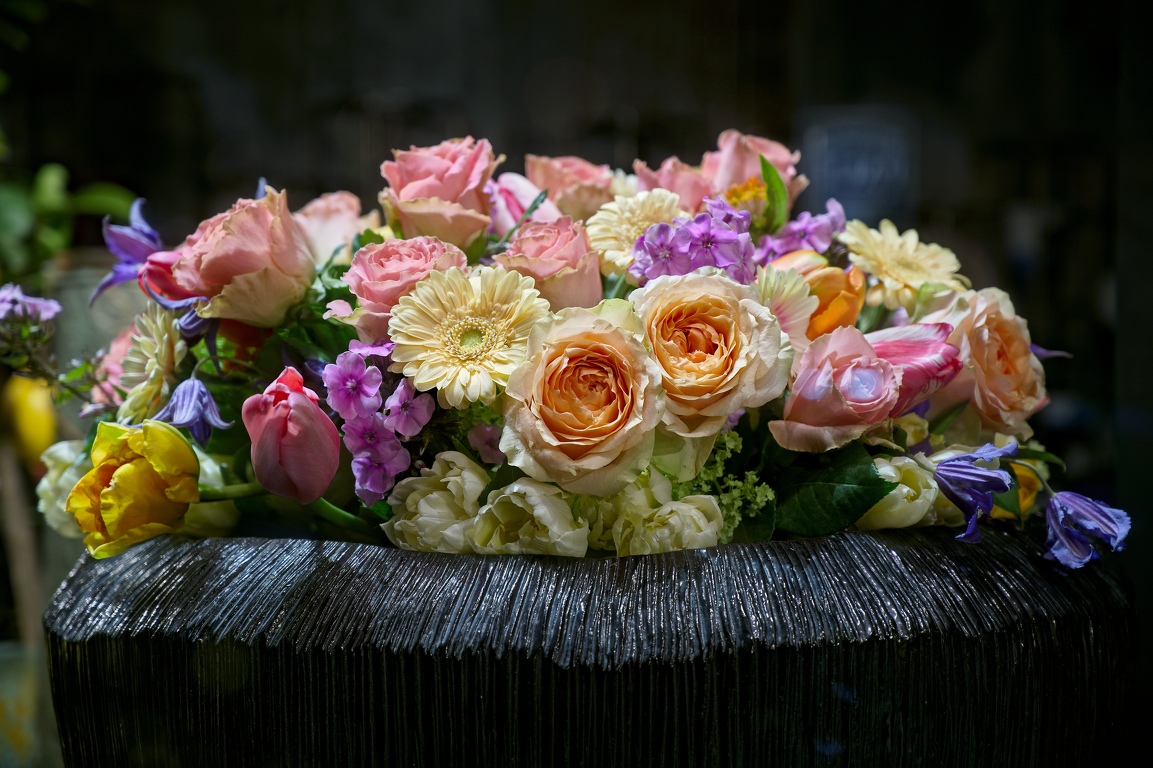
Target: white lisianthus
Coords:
[[528, 517], [67, 462], [649, 521], [908, 503], [436, 511]]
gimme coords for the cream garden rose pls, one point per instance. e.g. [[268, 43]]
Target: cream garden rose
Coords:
[[528, 517], [582, 410], [649, 521], [436, 511]]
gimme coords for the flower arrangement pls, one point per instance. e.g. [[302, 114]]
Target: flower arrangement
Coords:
[[573, 360]]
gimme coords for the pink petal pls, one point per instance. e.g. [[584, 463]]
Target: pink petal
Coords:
[[926, 360]]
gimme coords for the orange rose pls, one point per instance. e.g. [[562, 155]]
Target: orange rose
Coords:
[[841, 292], [1002, 379], [582, 411]]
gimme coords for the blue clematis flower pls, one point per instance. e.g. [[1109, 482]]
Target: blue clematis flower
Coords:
[[1071, 517], [132, 245], [971, 487], [192, 407]]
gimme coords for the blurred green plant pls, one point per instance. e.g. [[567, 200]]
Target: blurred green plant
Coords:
[[37, 218]]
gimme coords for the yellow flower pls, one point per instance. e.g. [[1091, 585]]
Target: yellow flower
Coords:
[[901, 262], [140, 485], [150, 364], [907, 504], [649, 521], [614, 229], [464, 334], [528, 517], [1028, 485]]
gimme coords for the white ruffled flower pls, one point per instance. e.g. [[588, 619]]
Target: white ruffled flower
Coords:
[[649, 521], [789, 297], [67, 462], [436, 511], [150, 365], [907, 504], [528, 517]]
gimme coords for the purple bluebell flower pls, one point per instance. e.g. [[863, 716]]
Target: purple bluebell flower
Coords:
[[407, 411], [720, 210], [353, 387], [971, 487], [1072, 518], [15, 303], [192, 407], [132, 245], [375, 470]]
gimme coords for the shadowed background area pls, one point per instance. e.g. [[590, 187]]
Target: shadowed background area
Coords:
[[1007, 130]]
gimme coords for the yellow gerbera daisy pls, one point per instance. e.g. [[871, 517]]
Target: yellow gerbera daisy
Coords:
[[464, 334], [150, 364], [614, 229], [901, 263]]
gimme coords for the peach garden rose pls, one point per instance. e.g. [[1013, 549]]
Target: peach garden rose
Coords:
[[581, 412]]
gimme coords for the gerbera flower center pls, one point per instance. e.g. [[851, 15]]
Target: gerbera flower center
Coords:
[[471, 337]]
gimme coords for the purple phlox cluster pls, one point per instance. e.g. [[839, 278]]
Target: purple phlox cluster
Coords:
[[804, 233], [131, 244], [14, 303], [485, 440], [971, 487], [353, 387], [1072, 518], [717, 238], [377, 456], [192, 407], [407, 411]]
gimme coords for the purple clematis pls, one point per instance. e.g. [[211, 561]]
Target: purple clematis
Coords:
[[132, 245], [1072, 518], [192, 407], [971, 487]]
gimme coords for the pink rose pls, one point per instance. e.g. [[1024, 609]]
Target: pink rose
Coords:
[[1002, 379], [439, 190], [331, 221], [383, 272], [252, 262], [512, 194], [558, 256], [295, 446], [578, 187], [842, 389], [685, 180], [739, 160]]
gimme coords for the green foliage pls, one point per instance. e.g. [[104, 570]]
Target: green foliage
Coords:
[[741, 496], [823, 494]]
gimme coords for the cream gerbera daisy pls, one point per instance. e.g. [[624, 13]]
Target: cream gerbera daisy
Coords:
[[788, 297], [464, 334], [150, 364], [614, 229], [901, 262]]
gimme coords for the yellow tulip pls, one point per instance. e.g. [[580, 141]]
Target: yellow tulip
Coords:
[[1027, 487], [140, 485], [27, 406]]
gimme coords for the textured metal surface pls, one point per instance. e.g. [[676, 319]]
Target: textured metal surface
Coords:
[[858, 649]]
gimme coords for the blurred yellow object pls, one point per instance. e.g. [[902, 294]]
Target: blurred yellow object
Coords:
[[26, 404]]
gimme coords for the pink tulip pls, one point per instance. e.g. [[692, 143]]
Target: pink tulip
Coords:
[[926, 360], [295, 446], [512, 194]]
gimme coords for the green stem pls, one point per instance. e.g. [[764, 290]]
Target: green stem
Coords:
[[338, 516], [237, 491], [616, 287]]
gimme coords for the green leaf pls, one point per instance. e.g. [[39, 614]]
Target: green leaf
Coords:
[[381, 509], [50, 189], [103, 199], [759, 527], [16, 216], [817, 501], [945, 420], [1009, 500], [871, 317], [776, 197], [364, 238], [1035, 455], [505, 475]]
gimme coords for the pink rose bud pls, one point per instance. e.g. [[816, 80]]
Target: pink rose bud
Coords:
[[512, 194], [295, 446]]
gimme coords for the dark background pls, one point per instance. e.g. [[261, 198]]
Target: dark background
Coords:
[[1031, 123]]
